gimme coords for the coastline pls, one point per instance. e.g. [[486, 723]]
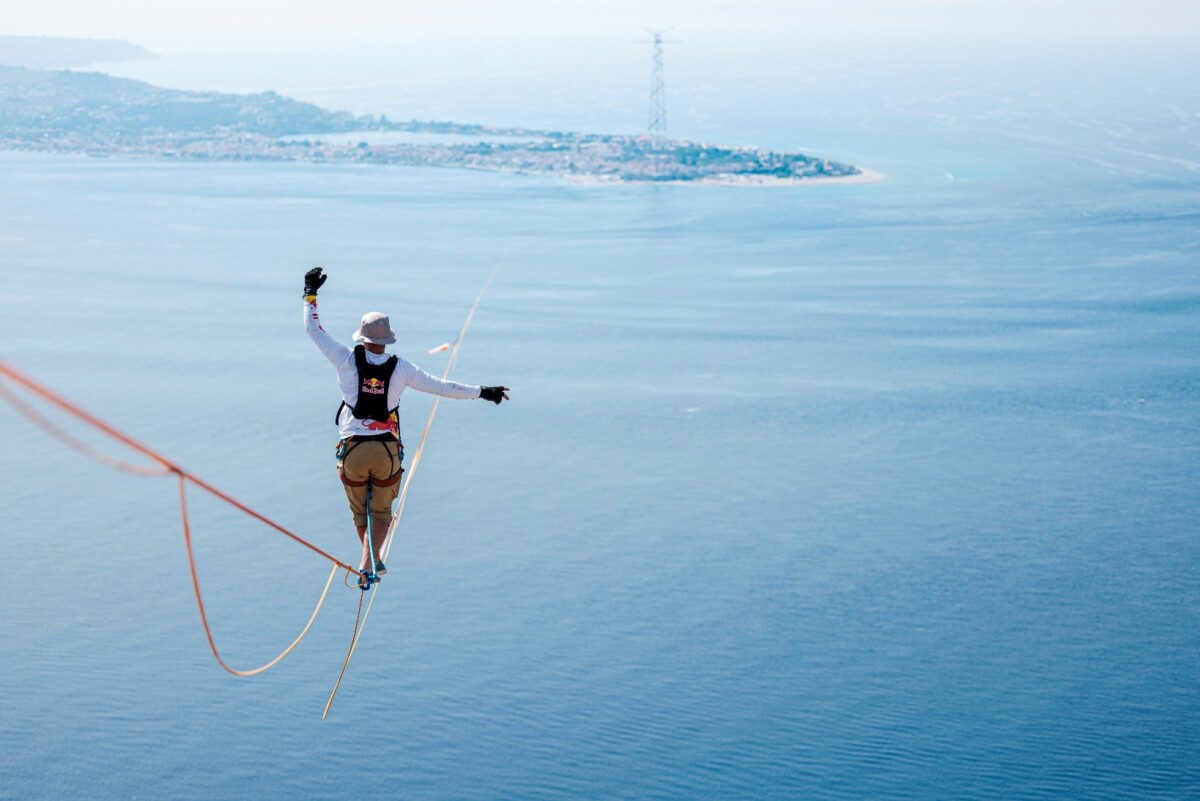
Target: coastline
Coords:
[[64, 111], [863, 176], [726, 179]]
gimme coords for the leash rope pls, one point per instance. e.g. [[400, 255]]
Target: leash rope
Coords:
[[412, 470], [165, 467], [349, 653]]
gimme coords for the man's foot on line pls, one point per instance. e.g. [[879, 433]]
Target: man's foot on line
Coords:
[[371, 576]]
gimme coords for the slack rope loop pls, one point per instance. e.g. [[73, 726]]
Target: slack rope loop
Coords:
[[165, 467], [212, 645], [412, 470]]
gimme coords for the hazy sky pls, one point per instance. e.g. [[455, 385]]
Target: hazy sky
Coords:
[[183, 24]]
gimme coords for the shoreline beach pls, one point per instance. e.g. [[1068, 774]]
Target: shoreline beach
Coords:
[[863, 176]]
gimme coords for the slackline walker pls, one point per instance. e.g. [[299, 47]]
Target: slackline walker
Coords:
[[359, 418], [370, 451], [375, 550]]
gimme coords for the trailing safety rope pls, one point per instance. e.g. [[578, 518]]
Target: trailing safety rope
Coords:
[[353, 641], [165, 467], [388, 540]]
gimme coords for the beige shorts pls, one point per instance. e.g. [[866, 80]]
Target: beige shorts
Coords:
[[373, 465]]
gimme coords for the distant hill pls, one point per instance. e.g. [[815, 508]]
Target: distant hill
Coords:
[[49, 52], [96, 105], [87, 112]]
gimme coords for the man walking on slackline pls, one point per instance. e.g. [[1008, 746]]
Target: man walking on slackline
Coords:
[[370, 453]]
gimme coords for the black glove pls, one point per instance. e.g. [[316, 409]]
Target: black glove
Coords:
[[494, 394], [313, 280]]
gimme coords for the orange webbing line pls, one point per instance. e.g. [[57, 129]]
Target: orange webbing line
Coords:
[[53, 429], [36, 388], [187, 539], [387, 545]]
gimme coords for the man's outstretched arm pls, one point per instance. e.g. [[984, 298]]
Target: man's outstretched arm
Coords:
[[422, 381]]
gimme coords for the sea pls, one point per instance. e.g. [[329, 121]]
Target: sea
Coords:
[[864, 491]]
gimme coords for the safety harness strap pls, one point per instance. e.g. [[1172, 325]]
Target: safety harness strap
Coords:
[[387, 482], [350, 483]]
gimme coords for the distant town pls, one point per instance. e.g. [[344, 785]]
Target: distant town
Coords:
[[63, 111]]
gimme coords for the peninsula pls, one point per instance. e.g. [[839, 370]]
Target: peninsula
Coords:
[[100, 115], [61, 52]]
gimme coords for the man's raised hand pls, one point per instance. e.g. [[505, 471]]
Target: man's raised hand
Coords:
[[313, 280]]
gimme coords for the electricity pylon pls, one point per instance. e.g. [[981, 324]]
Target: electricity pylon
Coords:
[[657, 125]]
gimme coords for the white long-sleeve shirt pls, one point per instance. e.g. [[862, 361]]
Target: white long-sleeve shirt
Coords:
[[405, 375]]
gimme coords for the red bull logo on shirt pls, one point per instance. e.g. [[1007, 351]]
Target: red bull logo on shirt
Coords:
[[373, 386]]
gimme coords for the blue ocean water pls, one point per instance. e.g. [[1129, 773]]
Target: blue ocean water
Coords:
[[837, 492]]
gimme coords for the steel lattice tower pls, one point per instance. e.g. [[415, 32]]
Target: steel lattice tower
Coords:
[[657, 125]]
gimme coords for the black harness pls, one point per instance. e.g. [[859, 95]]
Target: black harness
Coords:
[[373, 383]]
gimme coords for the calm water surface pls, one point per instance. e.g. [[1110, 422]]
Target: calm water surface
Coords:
[[884, 491]]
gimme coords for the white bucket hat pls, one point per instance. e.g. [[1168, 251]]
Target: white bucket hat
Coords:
[[376, 329]]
